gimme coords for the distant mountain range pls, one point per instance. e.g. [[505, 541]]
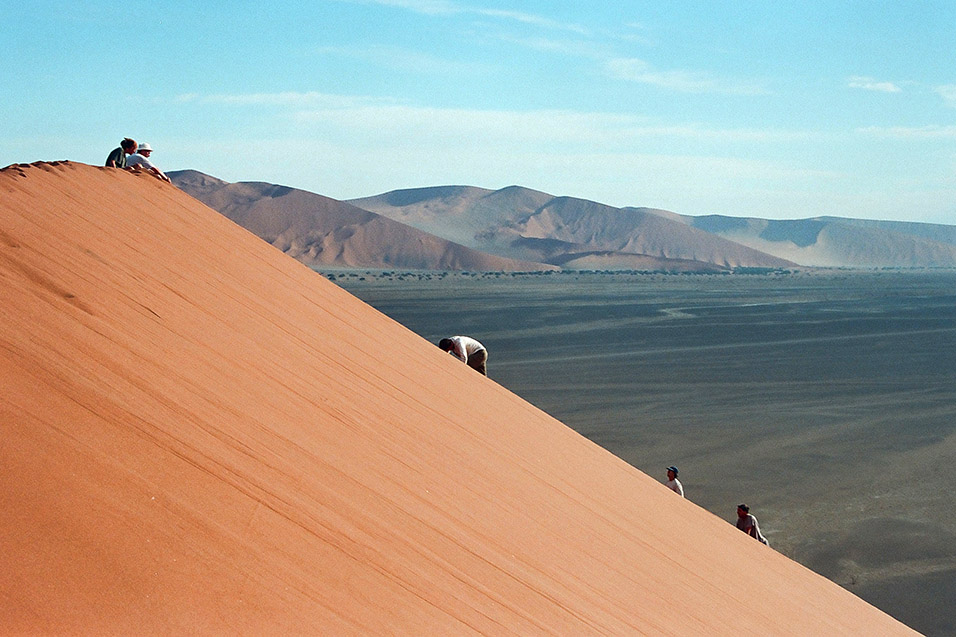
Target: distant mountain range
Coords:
[[572, 233], [515, 228], [840, 242], [320, 231]]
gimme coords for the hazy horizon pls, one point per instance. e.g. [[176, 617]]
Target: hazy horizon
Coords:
[[422, 188]]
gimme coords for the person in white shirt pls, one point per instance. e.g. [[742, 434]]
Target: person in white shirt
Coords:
[[140, 161], [467, 350], [673, 483]]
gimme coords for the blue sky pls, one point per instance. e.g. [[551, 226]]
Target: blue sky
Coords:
[[776, 110]]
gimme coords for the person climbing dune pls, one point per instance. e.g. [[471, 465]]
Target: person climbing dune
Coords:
[[673, 483], [748, 524], [467, 350]]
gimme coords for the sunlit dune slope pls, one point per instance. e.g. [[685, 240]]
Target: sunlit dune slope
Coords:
[[201, 435]]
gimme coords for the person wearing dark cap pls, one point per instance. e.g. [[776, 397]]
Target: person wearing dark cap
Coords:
[[468, 351], [673, 483], [748, 524]]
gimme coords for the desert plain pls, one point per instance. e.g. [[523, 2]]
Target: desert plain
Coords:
[[825, 400]]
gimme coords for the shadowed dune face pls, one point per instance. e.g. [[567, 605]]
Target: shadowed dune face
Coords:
[[577, 256], [639, 232], [202, 435]]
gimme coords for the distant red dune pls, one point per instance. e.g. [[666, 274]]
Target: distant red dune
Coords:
[[324, 232], [203, 436]]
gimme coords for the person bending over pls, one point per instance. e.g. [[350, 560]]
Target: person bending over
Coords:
[[468, 350]]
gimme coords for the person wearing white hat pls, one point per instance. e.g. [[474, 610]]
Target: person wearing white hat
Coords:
[[140, 161]]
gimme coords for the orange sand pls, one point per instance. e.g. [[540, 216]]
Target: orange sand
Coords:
[[201, 435]]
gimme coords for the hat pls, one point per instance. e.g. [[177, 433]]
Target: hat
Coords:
[[145, 146], [674, 469]]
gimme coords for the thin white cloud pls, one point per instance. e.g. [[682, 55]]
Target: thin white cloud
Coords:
[[636, 70], [446, 7], [528, 18], [635, 32], [515, 128], [870, 84], [309, 99], [563, 46], [406, 60], [948, 93], [428, 7], [918, 132], [377, 115]]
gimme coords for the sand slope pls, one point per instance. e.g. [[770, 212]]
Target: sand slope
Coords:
[[200, 435]]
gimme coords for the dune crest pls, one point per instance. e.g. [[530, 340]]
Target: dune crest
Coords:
[[201, 435]]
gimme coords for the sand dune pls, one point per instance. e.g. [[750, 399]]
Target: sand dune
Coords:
[[840, 242], [319, 231], [502, 222], [201, 435]]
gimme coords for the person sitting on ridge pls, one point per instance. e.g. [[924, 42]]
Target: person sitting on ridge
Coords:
[[673, 483], [468, 350], [117, 158], [748, 524], [140, 161]]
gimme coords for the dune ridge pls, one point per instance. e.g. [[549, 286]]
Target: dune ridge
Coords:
[[202, 435]]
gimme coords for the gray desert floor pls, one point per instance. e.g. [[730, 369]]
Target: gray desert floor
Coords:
[[826, 401]]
